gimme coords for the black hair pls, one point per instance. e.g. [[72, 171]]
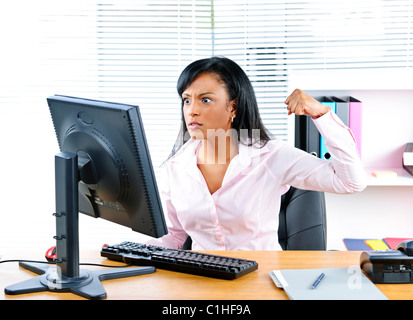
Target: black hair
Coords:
[[238, 87]]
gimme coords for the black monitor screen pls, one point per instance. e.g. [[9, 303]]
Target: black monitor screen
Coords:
[[118, 183]]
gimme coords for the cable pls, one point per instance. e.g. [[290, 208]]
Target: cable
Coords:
[[104, 265], [82, 264], [29, 261]]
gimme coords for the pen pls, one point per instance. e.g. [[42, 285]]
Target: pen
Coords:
[[315, 284]]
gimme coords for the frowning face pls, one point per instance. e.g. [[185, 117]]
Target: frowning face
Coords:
[[206, 106]]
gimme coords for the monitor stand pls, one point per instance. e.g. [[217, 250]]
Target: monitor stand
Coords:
[[66, 276]]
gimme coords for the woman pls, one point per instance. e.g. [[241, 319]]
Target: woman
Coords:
[[225, 178]]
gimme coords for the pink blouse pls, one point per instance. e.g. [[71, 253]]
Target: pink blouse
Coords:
[[243, 213]]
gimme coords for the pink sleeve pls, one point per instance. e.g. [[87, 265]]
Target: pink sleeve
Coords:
[[343, 174]]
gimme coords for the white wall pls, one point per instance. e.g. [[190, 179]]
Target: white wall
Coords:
[[376, 213]]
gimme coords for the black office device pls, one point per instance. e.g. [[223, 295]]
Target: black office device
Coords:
[[306, 134], [389, 266], [202, 264], [104, 170]]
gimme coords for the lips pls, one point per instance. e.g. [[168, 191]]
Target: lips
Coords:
[[194, 125]]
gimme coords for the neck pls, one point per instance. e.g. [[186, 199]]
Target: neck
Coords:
[[218, 150]]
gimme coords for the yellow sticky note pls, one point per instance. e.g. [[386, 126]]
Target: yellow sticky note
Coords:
[[377, 244]]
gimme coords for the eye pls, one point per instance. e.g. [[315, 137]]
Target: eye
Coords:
[[206, 100], [186, 101]]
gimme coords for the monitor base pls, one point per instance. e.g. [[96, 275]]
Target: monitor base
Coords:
[[87, 285]]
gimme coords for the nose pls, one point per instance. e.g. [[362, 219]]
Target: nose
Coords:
[[192, 109]]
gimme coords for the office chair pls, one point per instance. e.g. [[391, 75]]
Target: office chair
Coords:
[[302, 221]]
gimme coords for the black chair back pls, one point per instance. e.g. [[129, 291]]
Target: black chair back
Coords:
[[302, 220]]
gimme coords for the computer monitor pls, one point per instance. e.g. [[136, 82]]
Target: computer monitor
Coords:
[[104, 170], [118, 182]]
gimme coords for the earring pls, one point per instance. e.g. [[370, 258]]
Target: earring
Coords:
[[232, 119]]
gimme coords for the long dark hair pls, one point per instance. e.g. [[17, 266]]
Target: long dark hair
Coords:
[[238, 87]]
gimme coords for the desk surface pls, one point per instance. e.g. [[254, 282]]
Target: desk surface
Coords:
[[167, 285]]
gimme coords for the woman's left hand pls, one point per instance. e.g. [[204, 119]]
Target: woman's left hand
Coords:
[[301, 103]]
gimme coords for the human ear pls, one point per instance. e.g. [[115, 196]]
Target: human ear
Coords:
[[233, 108]]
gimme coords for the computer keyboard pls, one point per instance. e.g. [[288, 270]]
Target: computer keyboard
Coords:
[[179, 260]]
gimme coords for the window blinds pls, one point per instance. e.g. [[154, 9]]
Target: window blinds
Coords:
[[249, 32], [271, 38], [133, 51], [142, 48]]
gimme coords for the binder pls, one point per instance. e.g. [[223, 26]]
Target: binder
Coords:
[[324, 154], [307, 137], [353, 244], [377, 244], [355, 119], [342, 109], [394, 242]]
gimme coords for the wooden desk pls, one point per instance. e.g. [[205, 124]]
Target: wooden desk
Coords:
[[168, 285]]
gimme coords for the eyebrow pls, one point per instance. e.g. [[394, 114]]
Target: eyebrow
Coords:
[[202, 94]]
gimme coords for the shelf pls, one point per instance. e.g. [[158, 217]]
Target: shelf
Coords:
[[403, 178]]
